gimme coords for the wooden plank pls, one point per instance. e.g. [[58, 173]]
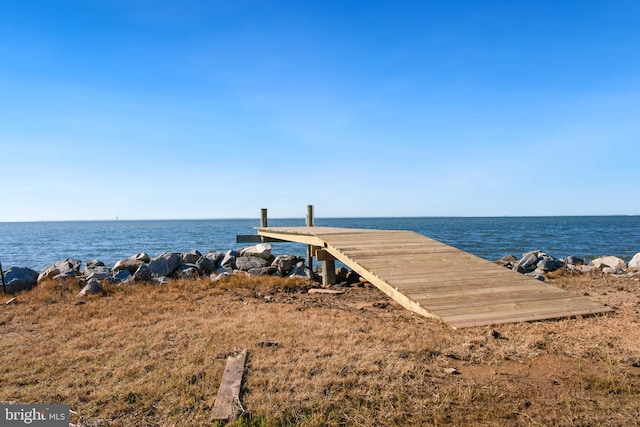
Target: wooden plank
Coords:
[[405, 255], [298, 238], [483, 300], [445, 273], [444, 288], [229, 392], [488, 291], [322, 255], [470, 321], [451, 286], [255, 238], [413, 278], [325, 291], [570, 302], [522, 315]]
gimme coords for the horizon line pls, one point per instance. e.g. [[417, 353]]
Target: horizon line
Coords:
[[117, 219]]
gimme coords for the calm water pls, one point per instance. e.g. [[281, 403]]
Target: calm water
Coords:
[[37, 244]]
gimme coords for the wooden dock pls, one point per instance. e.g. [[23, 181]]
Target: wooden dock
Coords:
[[437, 280]]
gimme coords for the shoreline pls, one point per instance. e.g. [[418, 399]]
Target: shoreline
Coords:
[[259, 260]]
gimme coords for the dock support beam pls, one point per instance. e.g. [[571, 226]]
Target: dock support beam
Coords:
[[309, 249], [328, 266]]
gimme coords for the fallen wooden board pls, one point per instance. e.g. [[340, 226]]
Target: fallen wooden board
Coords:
[[229, 391], [325, 291]]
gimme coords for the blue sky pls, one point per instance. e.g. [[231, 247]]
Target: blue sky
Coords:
[[215, 109]]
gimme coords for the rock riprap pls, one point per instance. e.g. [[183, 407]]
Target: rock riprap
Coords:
[[142, 268], [537, 263]]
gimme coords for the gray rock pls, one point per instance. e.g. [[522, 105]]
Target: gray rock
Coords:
[[301, 270], [141, 257], [341, 275], [536, 276], [507, 261], [48, 274], [97, 272], [165, 264], [228, 262], [160, 280], [191, 257], [549, 264], [122, 275], [129, 264], [206, 265], [353, 277], [65, 275], [187, 271], [94, 263], [611, 270], [285, 263], [142, 274], [263, 271], [19, 279], [608, 261], [527, 263], [635, 262], [574, 260], [245, 263], [215, 256], [64, 267], [585, 268], [261, 250], [92, 287], [216, 277]]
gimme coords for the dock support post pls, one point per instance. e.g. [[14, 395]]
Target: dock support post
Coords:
[[309, 249], [328, 272], [4, 286], [263, 220], [263, 217], [328, 266]]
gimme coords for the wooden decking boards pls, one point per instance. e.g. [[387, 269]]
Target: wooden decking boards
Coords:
[[437, 280]]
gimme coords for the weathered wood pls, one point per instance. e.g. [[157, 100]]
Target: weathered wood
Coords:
[[325, 291], [310, 247], [329, 272], [322, 255], [437, 280], [298, 238], [263, 218], [228, 396], [255, 238], [4, 285]]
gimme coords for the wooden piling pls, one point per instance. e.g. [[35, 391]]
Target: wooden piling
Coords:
[[309, 248], [4, 285], [263, 217]]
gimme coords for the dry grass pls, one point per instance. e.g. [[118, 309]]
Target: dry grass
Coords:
[[154, 355]]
